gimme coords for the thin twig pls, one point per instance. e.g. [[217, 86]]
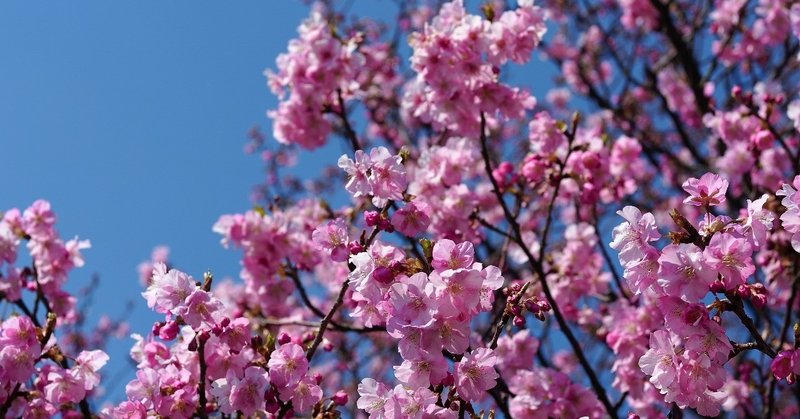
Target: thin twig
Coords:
[[536, 266]]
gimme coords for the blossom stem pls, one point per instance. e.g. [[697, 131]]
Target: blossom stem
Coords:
[[334, 326], [350, 133], [7, 405], [738, 309], [539, 270], [784, 329], [201, 386], [323, 325]]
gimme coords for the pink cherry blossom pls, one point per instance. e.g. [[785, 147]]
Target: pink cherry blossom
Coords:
[[333, 237], [245, 395], [412, 219], [631, 238], [86, 366], [449, 255], [660, 361], [759, 220], [168, 289], [63, 387], [684, 272], [707, 191], [731, 257], [475, 373], [287, 365], [373, 397]]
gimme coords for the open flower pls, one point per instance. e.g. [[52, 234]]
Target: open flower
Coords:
[[708, 191]]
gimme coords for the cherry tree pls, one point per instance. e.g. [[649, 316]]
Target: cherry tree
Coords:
[[626, 244]]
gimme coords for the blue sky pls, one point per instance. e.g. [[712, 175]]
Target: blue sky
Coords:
[[130, 117]]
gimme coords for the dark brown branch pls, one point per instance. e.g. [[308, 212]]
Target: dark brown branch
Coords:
[[350, 133], [537, 268], [738, 309], [339, 327], [685, 55], [201, 386]]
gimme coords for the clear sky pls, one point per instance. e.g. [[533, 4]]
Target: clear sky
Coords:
[[130, 117]]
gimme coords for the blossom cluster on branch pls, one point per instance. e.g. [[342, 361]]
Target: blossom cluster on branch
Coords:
[[627, 244]]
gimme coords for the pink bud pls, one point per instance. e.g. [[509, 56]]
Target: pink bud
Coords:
[[383, 275], [782, 366], [284, 338], [717, 286], [742, 291], [216, 330], [543, 305], [355, 247], [340, 398], [168, 331], [448, 380], [531, 305], [372, 218]]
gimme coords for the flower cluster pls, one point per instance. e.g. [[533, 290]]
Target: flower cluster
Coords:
[[38, 376], [204, 355], [377, 174], [318, 67], [428, 313], [457, 59], [686, 355]]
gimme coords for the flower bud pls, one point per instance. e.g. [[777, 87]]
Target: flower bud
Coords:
[[530, 305], [157, 327], [543, 305], [383, 275], [743, 291], [355, 247], [340, 398], [448, 380], [372, 218], [216, 330], [168, 331], [717, 286]]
